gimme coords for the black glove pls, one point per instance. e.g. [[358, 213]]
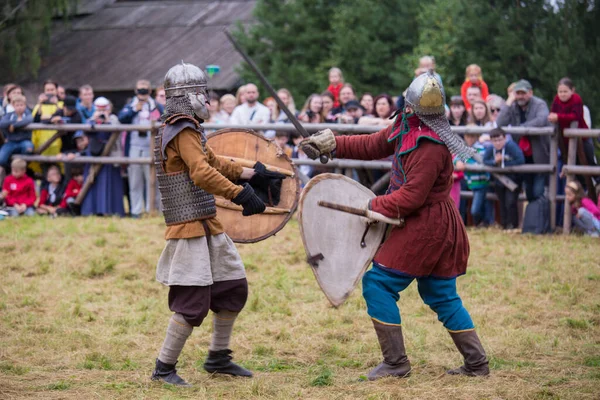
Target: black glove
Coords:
[[267, 184], [251, 203]]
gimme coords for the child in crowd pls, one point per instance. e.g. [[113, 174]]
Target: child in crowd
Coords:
[[587, 214], [52, 192], [478, 183], [457, 177], [336, 82], [297, 152], [18, 138], [473, 77], [282, 138], [458, 113], [505, 153], [18, 190], [71, 191]]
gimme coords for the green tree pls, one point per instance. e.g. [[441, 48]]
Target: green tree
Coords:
[[25, 27], [296, 42]]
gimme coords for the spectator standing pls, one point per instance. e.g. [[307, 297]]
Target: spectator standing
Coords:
[[427, 63], [61, 93], [384, 108], [142, 110], [473, 78], [458, 113], [326, 111], [17, 137], [15, 90], [252, 111], [213, 107], [346, 94], [480, 115], [473, 94], [494, 103], [240, 95], [505, 153], [367, 102], [51, 194], [353, 114], [48, 104], [69, 114], [587, 214], [287, 99], [226, 107], [336, 82], [478, 183], [4, 100], [85, 105], [160, 96], [105, 196], [18, 190], [524, 109], [311, 112], [282, 138]]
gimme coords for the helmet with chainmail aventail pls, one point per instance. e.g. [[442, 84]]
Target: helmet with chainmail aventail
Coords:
[[426, 97], [184, 78]]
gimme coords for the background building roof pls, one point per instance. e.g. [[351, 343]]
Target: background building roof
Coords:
[[124, 41]]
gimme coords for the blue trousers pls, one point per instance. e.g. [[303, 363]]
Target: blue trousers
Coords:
[[10, 148], [481, 208], [381, 290]]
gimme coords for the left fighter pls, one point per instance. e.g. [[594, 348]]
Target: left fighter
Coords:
[[199, 263]]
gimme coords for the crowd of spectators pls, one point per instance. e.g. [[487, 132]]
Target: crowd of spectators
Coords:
[[338, 104]]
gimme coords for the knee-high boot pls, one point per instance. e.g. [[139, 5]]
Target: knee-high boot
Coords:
[[395, 362], [469, 345]]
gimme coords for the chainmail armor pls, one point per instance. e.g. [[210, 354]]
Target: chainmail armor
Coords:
[[178, 105], [182, 201]]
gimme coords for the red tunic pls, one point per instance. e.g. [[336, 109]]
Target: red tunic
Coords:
[[434, 241], [72, 190]]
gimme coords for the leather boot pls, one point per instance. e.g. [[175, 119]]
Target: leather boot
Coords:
[[168, 374], [219, 362], [395, 362], [469, 345]]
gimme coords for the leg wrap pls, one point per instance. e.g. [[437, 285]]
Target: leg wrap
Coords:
[[441, 296], [222, 328], [177, 333], [381, 290], [192, 302]]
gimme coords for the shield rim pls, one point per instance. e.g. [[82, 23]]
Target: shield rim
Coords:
[[312, 183], [294, 168]]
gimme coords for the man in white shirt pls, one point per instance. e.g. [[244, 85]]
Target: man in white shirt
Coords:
[[252, 111]]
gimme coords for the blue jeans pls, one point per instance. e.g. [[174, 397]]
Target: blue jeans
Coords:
[[381, 290], [534, 186], [481, 208], [10, 148], [29, 212]]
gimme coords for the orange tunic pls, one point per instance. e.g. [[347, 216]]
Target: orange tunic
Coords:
[[208, 172]]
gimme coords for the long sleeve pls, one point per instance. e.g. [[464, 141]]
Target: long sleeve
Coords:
[[230, 170], [30, 194], [365, 147], [422, 168], [27, 119], [126, 115], [485, 91], [187, 144], [488, 157], [236, 118], [5, 122], [463, 94], [540, 114], [515, 154], [504, 116]]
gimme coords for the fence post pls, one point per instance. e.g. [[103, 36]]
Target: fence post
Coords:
[[152, 194], [553, 185], [571, 160]]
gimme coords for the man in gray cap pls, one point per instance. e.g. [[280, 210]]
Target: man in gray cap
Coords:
[[526, 110], [433, 248]]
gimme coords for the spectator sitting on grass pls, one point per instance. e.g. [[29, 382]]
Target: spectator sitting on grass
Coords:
[[18, 190], [52, 192], [71, 191], [505, 153], [587, 214], [18, 138]]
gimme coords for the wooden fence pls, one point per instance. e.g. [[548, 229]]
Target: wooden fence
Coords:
[[338, 165]]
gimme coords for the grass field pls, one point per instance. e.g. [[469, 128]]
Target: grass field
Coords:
[[81, 317]]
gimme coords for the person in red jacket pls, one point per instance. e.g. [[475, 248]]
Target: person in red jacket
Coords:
[[73, 188], [433, 247], [473, 77], [336, 81], [18, 190]]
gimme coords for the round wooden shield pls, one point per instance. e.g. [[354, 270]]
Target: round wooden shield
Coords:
[[246, 147]]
